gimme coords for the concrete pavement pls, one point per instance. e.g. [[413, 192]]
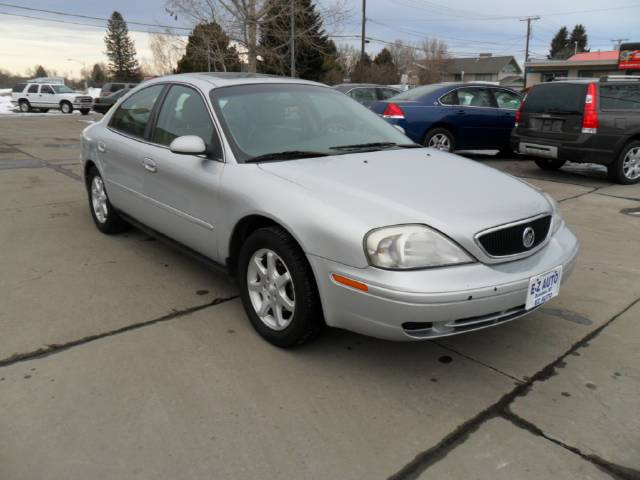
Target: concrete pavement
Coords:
[[120, 358]]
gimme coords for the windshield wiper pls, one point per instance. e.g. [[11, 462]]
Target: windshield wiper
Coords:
[[286, 155], [375, 145]]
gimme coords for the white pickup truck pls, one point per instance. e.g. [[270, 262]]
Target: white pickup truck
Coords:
[[42, 96]]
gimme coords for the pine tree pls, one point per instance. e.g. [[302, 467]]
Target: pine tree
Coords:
[[121, 50], [578, 39], [209, 49], [98, 76], [559, 44], [313, 49], [40, 72]]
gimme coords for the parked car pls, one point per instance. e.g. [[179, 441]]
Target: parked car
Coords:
[[103, 104], [113, 87], [583, 121], [32, 96], [455, 116], [367, 93], [323, 212]]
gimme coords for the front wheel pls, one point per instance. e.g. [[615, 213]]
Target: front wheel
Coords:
[[549, 163], [104, 215], [626, 168], [25, 106], [278, 289], [66, 107], [440, 139]]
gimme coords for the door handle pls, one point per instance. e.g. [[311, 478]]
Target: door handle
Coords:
[[460, 112], [102, 147], [149, 165]]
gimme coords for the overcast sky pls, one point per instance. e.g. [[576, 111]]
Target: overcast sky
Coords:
[[468, 26]]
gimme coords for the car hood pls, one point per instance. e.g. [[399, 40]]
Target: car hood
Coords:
[[454, 195]]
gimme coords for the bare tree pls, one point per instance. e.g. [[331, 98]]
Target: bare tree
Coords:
[[166, 50], [242, 19], [434, 61]]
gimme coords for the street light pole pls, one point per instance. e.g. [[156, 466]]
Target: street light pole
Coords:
[[363, 40]]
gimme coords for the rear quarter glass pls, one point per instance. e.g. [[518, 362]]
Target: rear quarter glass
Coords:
[[560, 96], [620, 97]]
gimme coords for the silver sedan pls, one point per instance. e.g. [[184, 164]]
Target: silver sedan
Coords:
[[322, 212]]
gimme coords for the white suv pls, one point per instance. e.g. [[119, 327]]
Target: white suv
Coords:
[[44, 96]]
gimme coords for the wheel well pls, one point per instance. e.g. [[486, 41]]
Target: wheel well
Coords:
[[241, 232], [23, 100], [88, 166], [65, 101], [446, 126]]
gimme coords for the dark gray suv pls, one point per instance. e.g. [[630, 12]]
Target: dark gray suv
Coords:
[[584, 121]]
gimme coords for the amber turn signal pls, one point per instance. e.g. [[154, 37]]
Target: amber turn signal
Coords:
[[350, 283]]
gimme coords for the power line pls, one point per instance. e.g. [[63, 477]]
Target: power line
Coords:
[[88, 17]]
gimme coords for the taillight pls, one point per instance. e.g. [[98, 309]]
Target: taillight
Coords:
[[96, 100], [393, 111], [590, 117], [519, 111]]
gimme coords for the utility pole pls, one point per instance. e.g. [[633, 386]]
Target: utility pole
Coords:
[[364, 22], [293, 38], [526, 52], [619, 42]]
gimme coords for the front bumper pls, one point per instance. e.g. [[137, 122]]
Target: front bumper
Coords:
[[423, 304]]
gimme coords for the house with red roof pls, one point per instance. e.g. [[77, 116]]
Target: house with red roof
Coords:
[[580, 65]]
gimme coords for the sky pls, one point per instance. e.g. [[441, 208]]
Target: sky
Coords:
[[469, 27]]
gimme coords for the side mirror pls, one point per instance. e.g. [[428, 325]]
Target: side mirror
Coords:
[[398, 127], [188, 145]]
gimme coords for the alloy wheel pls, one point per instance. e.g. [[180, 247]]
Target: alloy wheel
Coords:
[[271, 289], [631, 164], [440, 141], [99, 199]]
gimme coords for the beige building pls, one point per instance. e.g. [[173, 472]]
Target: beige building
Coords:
[[581, 65]]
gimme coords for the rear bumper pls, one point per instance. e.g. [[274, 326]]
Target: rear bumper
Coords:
[[581, 150], [444, 301]]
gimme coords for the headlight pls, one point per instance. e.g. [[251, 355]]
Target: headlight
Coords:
[[411, 246], [556, 219]]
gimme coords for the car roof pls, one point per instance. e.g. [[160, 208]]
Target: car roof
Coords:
[[224, 79]]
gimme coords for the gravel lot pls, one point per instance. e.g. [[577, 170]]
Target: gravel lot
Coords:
[[120, 358]]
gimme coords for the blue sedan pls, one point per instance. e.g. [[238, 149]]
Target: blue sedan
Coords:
[[455, 116]]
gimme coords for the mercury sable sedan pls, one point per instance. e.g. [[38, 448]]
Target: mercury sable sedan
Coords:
[[323, 212]]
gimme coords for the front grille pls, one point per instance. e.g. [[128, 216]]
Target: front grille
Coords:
[[85, 99], [509, 240]]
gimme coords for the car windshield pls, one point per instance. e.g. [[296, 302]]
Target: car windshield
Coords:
[[299, 121], [61, 89]]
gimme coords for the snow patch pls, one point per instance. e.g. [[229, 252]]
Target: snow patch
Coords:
[[5, 104]]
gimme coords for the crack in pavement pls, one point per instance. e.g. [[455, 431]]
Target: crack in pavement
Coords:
[[615, 470], [57, 348], [458, 436], [46, 164]]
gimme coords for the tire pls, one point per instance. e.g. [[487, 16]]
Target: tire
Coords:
[[104, 216], [25, 106], [44, 110], [506, 153], [85, 111], [442, 137], [549, 163], [626, 168], [66, 107], [293, 326]]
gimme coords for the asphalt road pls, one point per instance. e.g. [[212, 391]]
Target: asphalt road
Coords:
[[120, 358]]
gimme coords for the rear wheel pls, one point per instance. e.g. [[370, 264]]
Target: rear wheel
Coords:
[[25, 106], [549, 163], [66, 107], [440, 139], [278, 289], [626, 168], [104, 215]]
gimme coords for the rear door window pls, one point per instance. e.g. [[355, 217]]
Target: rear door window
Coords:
[[47, 89], [449, 99], [620, 97], [33, 88], [134, 113], [559, 98], [475, 97]]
